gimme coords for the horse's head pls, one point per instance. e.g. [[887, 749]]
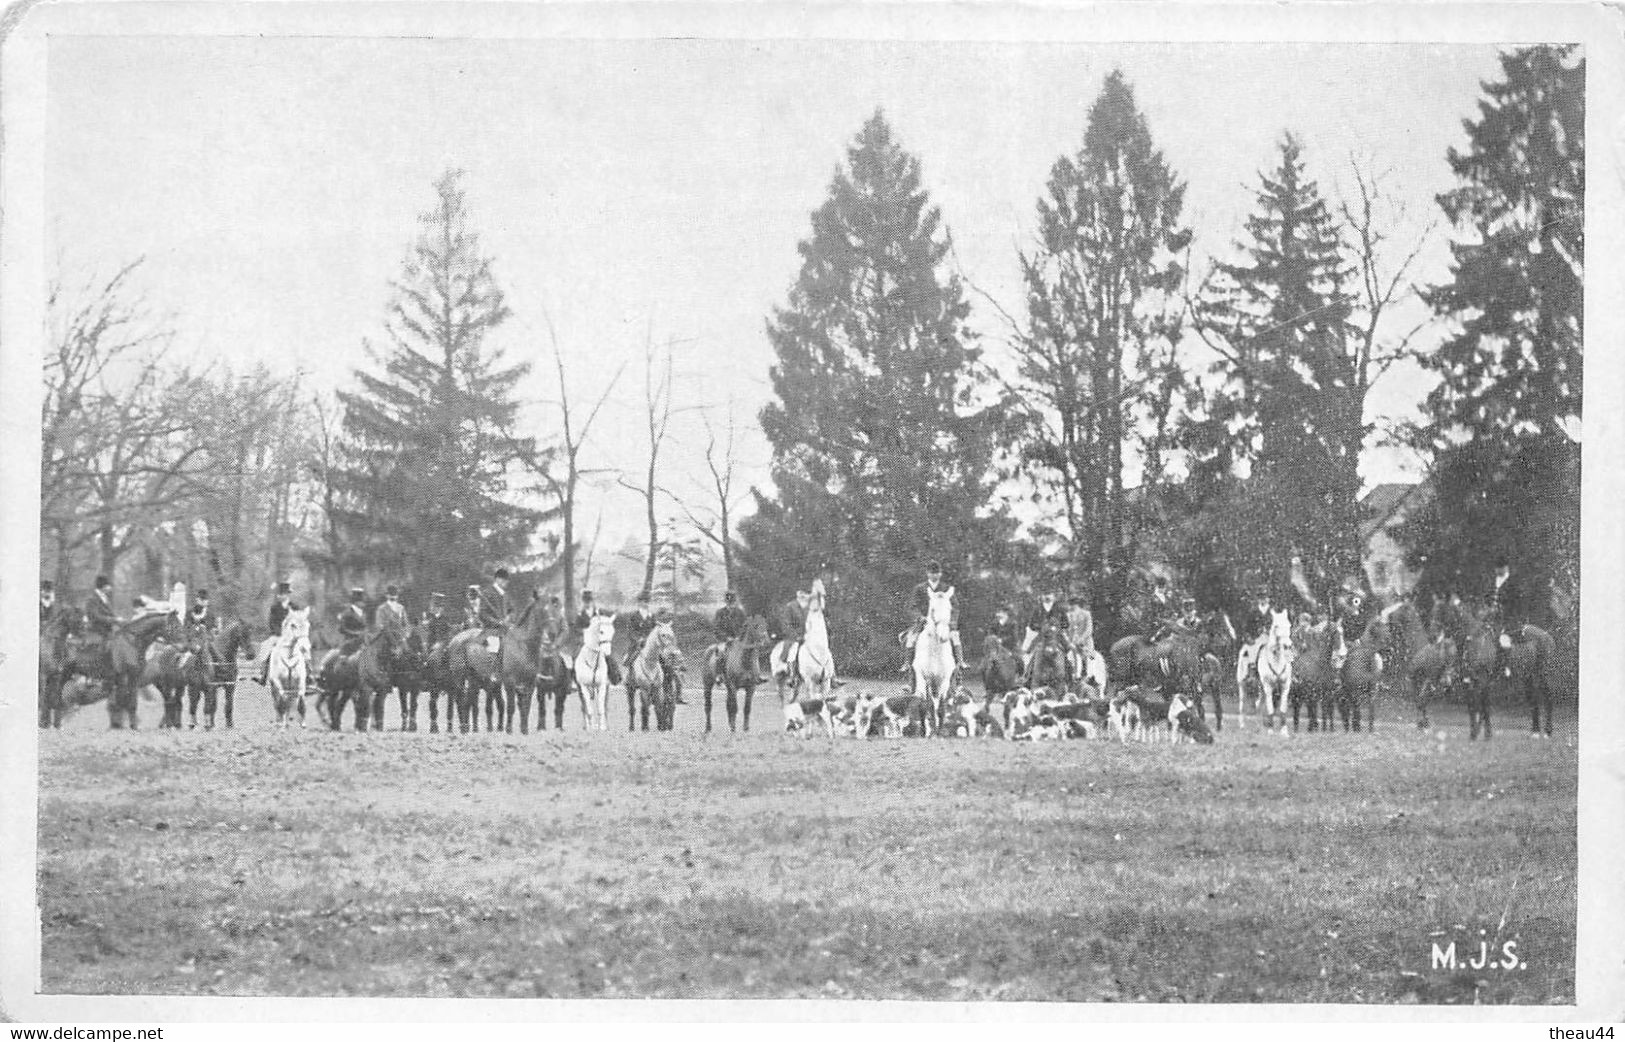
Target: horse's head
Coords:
[[295, 627], [938, 617], [1280, 632]]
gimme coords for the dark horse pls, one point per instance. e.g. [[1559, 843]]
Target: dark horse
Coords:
[[362, 676], [1171, 664], [119, 662], [1362, 671], [1475, 676], [1314, 681], [522, 657], [53, 664], [733, 667], [427, 670], [1420, 663], [1048, 665], [220, 652], [1530, 661]]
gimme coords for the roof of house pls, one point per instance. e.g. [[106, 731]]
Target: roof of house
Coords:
[[1385, 504]]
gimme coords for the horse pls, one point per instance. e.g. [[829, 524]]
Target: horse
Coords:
[[934, 664], [733, 668], [591, 671], [53, 662], [1360, 675], [1421, 663], [1275, 671], [1173, 663], [1475, 672], [815, 666], [1048, 665], [288, 674], [520, 664], [1314, 678], [1530, 661], [361, 676], [649, 677], [222, 649], [1001, 670], [119, 661], [175, 667], [434, 676], [476, 667], [552, 678]]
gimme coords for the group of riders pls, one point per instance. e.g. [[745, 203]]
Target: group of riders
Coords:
[[1059, 616]]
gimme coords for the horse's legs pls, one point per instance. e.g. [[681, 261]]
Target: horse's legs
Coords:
[[211, 703], [523, 696], [750, 691], [229, 690]]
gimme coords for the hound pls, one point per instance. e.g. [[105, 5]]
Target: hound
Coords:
[[799, 715]]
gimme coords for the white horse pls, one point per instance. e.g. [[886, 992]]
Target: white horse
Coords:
[[1275, 670], [934, 655], [814, 662], [288, 670], [1086, 664], [592, 671]]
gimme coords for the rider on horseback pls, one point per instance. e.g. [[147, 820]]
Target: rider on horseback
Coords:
[[200, 615], [1004, 628], [730, 625], [922, 609], [1049, 616], [100, 621], [436, 626], [581, 623], [637, 625], [792, 629], [280, 607], [391, 619], [1508, 598], [493, 610]]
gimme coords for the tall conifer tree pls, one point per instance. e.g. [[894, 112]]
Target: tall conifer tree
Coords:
[[881, 456], [430, 492]]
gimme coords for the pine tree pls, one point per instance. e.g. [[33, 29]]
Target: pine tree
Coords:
[[1286, 414], [1101, 315], [881, 458], [430, 492], [1502, 422]]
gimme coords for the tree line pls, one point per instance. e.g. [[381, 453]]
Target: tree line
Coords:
[[1135, 414]]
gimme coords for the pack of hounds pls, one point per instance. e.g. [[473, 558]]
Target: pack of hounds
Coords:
[[1132, 713]]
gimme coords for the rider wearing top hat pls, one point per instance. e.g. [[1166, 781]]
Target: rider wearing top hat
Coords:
[[100, 619], [637, 624], [390, 618], [281, 605], [1050, 613], [921, 603], [200, 615], [579, 626], [494, 601], [353, 622], [730, 625], [436, 624], [1004, 628]]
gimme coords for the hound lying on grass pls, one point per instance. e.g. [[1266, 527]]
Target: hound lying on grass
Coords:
[[1147, 716], [801, 715], [894, 716]]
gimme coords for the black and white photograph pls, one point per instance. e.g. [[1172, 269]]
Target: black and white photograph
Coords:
[[543, 506]]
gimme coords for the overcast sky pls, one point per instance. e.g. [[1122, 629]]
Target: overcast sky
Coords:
[[273, 184]]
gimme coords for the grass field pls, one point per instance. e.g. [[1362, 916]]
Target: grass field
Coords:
[[1311, 868]]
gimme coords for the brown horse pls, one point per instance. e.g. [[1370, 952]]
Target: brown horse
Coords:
[[1314, 681], [1531, 661], [1420, 664], [733, 668], [175, 667], [362, 677], [1361, 675], [118, 663], [476, 668], [221, 650], [1475, 674], [521, 661]]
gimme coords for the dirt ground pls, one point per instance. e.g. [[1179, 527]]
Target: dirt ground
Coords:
[[1307, 868]]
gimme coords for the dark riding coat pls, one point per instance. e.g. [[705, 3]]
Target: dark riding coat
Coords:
[[1512, 599], [921, 600], [279, 615], [352, 623], [792, 622], [1055, 615], [1253, 623], [100, 620], [437, 628], [493, 608], [637, 627], [1006, 632], [203, 617], [730, 622]]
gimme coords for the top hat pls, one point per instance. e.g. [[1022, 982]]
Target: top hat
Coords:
[[501, 573], [392, 590], [474, 589], [202, 595], [46, 586], [643, 596], [357, 594], [586, 595], [934, 568], [730, 596], [284, 587], [103, 582]]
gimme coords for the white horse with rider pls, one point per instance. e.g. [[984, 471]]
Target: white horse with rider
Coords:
[[591, 671], [288, 669], [934, 660]]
